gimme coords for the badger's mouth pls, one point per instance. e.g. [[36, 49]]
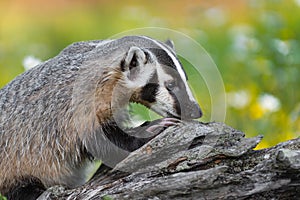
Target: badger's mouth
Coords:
[[164, 111], [141, 113], [172, 116]]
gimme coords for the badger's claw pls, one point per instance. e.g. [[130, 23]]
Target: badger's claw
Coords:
[[162, 125], [169, 119], [150, 129]]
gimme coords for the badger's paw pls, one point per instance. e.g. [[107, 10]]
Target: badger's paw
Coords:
[[162, 125], [140, 135], [150, 129]]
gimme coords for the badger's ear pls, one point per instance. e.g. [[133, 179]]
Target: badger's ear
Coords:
[[170, 43], [135, 58]]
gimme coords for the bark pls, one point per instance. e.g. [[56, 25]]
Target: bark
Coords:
[[197, 161]]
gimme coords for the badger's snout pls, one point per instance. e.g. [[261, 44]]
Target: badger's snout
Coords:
[[191, 111], [185, 105]]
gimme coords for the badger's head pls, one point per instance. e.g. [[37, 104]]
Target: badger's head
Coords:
[[159, 80]]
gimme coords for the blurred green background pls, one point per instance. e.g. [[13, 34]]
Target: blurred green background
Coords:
[[254, 43]]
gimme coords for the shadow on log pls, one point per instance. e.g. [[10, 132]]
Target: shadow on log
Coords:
[[198, 161]]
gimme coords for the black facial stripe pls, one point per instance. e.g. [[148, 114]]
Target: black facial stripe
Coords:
[[164, 59], [149, 92]]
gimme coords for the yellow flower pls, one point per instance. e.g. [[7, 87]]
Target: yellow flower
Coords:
[[256, 111]]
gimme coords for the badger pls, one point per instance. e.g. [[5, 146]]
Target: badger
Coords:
[[59, 117]]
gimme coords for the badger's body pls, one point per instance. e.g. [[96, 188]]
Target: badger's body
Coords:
[[60, 116]]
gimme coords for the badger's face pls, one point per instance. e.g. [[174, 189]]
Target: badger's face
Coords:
[[159, 81]]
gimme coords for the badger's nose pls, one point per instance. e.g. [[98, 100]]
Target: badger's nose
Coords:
[[196, 112], [192, 111]]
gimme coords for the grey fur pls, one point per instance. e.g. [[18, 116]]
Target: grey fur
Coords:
[[48, 120]]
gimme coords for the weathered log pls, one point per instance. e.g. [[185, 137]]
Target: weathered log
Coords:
[[198, 161]]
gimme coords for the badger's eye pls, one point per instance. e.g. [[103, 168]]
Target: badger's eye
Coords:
[[170, 85]]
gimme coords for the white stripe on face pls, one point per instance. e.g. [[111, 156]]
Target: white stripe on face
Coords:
[[174, 59], [178, 68]]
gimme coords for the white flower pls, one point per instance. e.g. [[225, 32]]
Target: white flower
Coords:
[[243, 40], [238, 99], [269, 103], [30, 61], [282, 46]]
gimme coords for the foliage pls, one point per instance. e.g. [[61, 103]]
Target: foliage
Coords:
[[107, 197], [2, 197], [254, 43]]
